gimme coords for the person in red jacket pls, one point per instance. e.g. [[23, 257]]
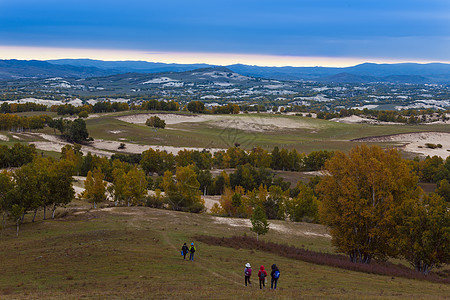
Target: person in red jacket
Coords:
[[262, 274]]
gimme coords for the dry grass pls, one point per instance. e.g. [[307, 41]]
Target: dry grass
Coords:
[[134, 253]]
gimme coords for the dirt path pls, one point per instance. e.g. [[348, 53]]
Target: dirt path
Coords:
[[199, 262], [138, 215]]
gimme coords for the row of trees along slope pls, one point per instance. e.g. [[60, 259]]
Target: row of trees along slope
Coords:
[[371, 202], [41, 184]]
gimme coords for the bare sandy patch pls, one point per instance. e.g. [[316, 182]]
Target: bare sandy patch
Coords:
[[54, 143], [236, 222], [260, 124], [241, 122], [170, 119], [139, 148], [361, 120], [210, 201], [416, 142], [4, 138], [102, 147]]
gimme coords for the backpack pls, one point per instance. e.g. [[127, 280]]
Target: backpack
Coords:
[[192, 250], [263, 275], [246, 272], [276, 275]]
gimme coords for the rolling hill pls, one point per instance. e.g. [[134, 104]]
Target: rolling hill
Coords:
[[363, 73]]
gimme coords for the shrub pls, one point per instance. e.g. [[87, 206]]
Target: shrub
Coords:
[[155, 122], [432, 146]]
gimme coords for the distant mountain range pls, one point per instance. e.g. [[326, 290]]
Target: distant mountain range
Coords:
[[363, 73]]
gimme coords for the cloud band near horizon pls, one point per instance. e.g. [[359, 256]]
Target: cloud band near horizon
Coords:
[[223, 59], [376, 30]]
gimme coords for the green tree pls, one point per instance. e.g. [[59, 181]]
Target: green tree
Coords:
[[119, 186], [31, 186], [83, 114], [274, 204], [259, 222], [60, 190], [16, 213], [184, 193], [136, 186], [196, 106], [6, 187], [155, 122], [303, 207], [204, 177], [360, 198], [444, 189], [424, 235], [78, 132], [95, 187], [155, 161]]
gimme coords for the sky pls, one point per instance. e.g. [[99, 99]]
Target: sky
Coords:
[[259, 32]]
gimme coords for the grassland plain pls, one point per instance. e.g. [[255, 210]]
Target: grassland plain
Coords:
[[310, 135], [126, 253], [249, 130]]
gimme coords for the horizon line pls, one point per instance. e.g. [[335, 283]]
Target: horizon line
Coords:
[[167, 57]]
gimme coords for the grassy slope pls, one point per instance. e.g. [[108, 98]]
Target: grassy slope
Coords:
[[321, 134], [134, 253]]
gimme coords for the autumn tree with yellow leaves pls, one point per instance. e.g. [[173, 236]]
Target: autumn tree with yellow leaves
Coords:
[[360, 199]]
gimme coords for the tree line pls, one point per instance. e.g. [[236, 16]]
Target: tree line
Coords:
[[7, 108], [17, 155], [369, 198], [408, 116], [156, 161], [12, 122], [44, 183], [436, 170], [374, 208]]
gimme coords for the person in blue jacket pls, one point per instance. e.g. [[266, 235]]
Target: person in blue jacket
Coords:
[[275, 274]]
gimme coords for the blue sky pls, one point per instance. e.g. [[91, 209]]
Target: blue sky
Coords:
[[394, 30]]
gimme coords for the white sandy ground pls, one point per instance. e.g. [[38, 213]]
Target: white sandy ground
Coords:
[[78, 187], [236, 222], [102, 148], [241, 122], [139, 148], [358, 120], [290, 228], [168, 118], [415, 142], [210, 201], [4, 138]]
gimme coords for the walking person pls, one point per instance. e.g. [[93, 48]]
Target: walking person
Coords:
[[262, 274], [184, 250], [247, 273], [275, 274], [191, 252]]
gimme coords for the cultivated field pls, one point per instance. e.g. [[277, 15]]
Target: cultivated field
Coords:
[[119, 253]]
